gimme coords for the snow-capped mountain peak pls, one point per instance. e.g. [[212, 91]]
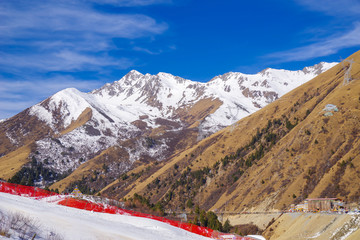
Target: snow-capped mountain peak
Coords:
[[132, 75], [144, 104], [163, 94]]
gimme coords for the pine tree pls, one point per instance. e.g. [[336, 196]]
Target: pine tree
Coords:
[[227, 226]]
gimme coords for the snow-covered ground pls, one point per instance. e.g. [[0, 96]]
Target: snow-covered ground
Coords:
[[71, 223]]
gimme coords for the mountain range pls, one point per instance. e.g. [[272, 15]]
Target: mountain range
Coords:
[[237, 142], [140, 117], [304, 145]]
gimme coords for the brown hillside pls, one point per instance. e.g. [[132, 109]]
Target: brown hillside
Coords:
[[84, 117], [15, 147], [24, 129], [12, 162], [91, 175], [282, 154], [18, 136], [98, 167]]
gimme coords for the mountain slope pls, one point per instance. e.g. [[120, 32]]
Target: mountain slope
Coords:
[[140, 119], [287, 151]]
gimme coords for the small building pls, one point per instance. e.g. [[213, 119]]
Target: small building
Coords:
[[303, 207], [324, 204]]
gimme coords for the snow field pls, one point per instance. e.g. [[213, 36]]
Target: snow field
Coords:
[[73, 223]]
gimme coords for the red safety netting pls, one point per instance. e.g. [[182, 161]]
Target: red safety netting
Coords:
[[96, 207], [25, 191], [39, 193]]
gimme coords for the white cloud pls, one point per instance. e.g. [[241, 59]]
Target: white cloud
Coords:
[[132, 3], [345, 14], [13, 106], [44, 87], [67, 35], [333, 8], [60, 61], [145, 50], [323, 47], [62, 36], [10, 108], [71, 21]]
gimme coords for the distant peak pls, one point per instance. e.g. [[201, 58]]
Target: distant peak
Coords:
[[70, 90], [134, 72], [131, 76], [164, 74], [67, 92], [265, 70]]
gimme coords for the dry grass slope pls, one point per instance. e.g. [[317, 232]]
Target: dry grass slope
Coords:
[[313, 155], [84, 117], [12, 162]]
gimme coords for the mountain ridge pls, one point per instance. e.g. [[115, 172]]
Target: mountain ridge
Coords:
[[292, 149], [145, 117]]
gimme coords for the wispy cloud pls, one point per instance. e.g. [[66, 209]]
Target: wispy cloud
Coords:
[[63, 60], [54, 19], [333, 8], [321, 48], [63, 37], [131, 3], [9, 108], [67, 33], [145, 50], [340, 36], [10, 89]]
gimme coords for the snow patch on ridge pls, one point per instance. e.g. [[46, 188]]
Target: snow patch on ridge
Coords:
[[157, 151], [43, 114], [12, 140]]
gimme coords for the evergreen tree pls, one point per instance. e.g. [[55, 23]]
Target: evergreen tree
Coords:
[[189, 203], [203, 219], [213, 222], [227, 226]]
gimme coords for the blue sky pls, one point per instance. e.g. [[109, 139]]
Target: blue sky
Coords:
[[46, 46]]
